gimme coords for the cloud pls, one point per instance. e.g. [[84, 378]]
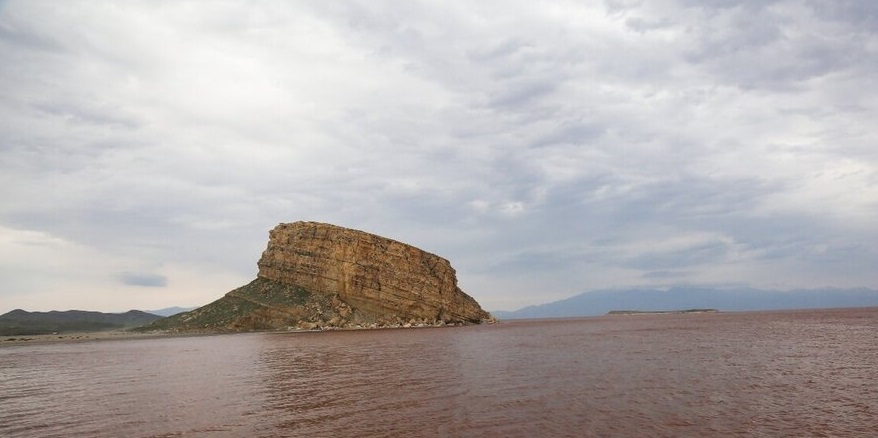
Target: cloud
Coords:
[[544, 148], [663, 275], [143, 279]]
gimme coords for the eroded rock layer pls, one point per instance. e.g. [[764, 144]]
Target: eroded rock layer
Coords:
[[371, 273]]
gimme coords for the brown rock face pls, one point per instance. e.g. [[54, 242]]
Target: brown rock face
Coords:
[[372, 274]]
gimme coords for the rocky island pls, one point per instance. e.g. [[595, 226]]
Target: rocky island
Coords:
[[320, 276]]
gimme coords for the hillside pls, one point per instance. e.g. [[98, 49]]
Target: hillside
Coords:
[[266, 305]]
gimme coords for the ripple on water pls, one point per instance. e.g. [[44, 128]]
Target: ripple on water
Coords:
[[749, 374]]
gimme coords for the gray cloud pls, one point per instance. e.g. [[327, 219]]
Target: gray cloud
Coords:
[[585, 145], [664, 275], [702, 253], [143, 279]]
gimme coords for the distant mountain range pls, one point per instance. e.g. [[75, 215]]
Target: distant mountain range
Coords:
[[170, 311], [679, 298], [21, 322]]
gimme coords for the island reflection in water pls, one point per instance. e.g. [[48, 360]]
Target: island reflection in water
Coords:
[[803, 373]]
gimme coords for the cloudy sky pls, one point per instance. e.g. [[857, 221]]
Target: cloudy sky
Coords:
[[544, 148]]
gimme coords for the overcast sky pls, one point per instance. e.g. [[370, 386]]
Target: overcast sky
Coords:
[[544, 148]]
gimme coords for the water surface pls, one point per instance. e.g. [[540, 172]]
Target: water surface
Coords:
[[758, 374]]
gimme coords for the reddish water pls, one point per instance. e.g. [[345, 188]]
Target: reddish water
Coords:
[[777, 374]]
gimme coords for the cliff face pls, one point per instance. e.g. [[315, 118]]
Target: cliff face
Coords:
[[315, 275], [369, 272]]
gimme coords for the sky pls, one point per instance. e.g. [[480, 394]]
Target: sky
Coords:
[[545, 148]]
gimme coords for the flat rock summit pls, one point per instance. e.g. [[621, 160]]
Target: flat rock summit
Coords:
[[320, 276]]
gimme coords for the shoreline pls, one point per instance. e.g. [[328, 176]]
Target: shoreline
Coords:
[[14, 340]]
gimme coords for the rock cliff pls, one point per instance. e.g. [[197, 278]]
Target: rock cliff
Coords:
[[315, 275]]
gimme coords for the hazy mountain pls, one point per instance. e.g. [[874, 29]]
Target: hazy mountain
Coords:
[[21, 322], [170, 311], [678, 298]]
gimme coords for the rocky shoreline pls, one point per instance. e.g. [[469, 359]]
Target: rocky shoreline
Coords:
[[128, 335]]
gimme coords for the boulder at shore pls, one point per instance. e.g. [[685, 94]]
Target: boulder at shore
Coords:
[[321, 276]]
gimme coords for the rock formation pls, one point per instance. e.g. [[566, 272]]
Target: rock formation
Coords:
[[315, 275]]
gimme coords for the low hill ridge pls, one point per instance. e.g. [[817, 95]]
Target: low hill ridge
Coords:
[[21, 322]]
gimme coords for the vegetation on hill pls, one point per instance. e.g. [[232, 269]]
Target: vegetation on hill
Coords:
[[260, 305]]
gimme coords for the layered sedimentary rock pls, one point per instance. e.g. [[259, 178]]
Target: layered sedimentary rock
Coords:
[[315, 275], [372, 273]]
